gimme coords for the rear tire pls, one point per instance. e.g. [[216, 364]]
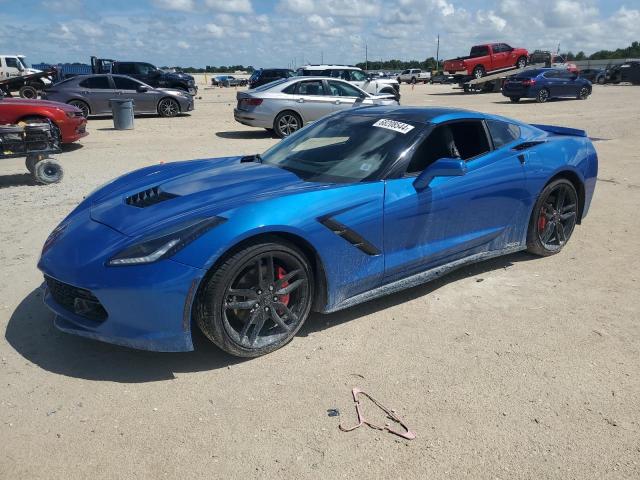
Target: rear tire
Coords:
[[413, 81], [522, 62], [286, 123], [225, 309], [83, 106], [543, 96], [479, 71], [514, 99], [553, 218], [29, 92]]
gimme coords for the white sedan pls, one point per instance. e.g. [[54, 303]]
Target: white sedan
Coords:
[[286, 105]]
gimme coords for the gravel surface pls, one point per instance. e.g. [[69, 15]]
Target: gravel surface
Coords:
[[519, 367]]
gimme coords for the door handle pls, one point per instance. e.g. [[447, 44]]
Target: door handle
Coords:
[[337, 102], [522, 158], [301, 100]]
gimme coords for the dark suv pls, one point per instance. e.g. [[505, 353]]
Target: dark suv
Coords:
[[267, 75]]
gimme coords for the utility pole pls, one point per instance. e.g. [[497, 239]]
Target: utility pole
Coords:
[[366, 57], [438, 54]]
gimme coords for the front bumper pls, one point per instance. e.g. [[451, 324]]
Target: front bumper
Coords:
[[73, 130], [253, 119], [146, 306]]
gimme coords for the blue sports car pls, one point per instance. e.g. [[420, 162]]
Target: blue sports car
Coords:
[[362, 203], [546, 83]]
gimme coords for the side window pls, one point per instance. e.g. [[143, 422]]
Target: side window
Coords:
[[126, 68], [358, 76], [124, 83], [339, 89], [502, 132], [91, 83], [12, 62], [470, 138], [334, 73], [291, 89], [311, 87], [406, 72], [143, 68], [506, 48]]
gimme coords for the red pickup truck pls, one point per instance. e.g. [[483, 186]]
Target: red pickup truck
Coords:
[[488, 58]]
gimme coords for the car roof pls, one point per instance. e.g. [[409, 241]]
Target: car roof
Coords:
[[416, 114], [327, 67]]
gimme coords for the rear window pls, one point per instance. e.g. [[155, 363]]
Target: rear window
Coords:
[[528, 74], [270, 85]]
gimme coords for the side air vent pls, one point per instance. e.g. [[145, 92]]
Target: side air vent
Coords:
[[527, 145], [148, 197], [354, 238]]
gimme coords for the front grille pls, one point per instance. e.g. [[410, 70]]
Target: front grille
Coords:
[[77, 300], [148, 197]]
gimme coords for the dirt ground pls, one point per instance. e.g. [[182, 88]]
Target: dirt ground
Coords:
[[519, 367]]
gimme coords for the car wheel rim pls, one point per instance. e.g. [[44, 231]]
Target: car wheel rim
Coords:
[[557, 217], [522, 64], [543, 95], [169, 108], [266, 300], [82, 107], [288, 124], [583, 93]]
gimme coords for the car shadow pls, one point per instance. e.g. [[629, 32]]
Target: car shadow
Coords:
[[137, 116], [71, 147], [31, 333], [246, 134], [533, 100], [18, 180]]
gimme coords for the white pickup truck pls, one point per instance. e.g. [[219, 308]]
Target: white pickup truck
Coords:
[[17, 75], [414, 75]]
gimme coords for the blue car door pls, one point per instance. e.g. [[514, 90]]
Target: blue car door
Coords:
[[455, 217]]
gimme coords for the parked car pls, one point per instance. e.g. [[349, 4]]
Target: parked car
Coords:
[[355, 76], [147, 73], [288, 104], [591, 74], [488, 58], [361, 204], [551, 60], [91, 94], [546, 83], [262, 76], [442, 77], [66, 121], [414, 75], [625, 72], [228, 81]]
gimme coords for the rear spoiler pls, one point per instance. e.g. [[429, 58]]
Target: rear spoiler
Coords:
[[573, 132]]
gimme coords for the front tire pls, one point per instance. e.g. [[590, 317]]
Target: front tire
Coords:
[[543, 96], [522, 62], [553, 218], [257, 300], [413, 81], [514, 99], [286, 123], [168, 107], [584, 93]]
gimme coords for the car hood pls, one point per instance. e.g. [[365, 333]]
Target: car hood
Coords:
[[179, 76], [37, 103], [182, 190]]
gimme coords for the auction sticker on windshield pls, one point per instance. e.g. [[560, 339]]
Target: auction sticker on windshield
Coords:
[[393, 125]]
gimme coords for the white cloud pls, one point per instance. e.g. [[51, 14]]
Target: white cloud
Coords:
[[231, 6], [178, 5]]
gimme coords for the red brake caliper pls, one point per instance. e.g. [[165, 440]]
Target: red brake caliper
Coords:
[[281, 273], [542, 221]]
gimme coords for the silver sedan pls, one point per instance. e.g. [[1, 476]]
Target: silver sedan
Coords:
[[91, 94], [286, 105]]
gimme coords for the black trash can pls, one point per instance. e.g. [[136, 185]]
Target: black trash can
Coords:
[[122, 109]]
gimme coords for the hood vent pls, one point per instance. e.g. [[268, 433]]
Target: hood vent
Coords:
[[148, 197]]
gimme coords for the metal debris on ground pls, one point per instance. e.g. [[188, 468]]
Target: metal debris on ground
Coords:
[[407, 433]]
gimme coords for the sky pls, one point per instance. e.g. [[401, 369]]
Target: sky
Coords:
[[285, 33]]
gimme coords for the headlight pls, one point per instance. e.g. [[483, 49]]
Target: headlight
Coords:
[[164, 244]]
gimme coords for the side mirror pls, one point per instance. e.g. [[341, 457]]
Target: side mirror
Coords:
[[143, 89], [444, 167]]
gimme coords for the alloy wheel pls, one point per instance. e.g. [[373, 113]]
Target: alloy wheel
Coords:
[[82, 106], [266, 300], [169, 108], [557, 217], [287, 124]]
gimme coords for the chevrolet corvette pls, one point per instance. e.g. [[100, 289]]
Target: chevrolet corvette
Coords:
[[363, 203]]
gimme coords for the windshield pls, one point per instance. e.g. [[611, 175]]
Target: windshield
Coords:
[[23, 62], [343, 149]]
